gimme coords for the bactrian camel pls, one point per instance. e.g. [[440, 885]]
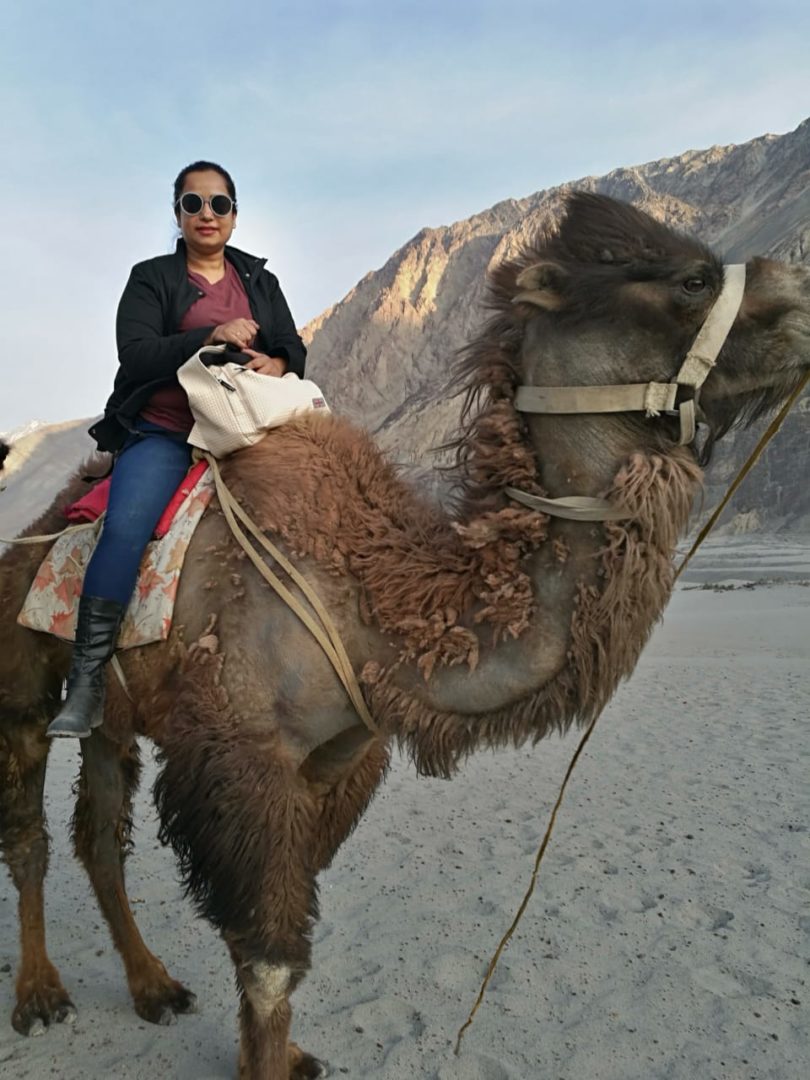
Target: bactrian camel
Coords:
[[489, 624]]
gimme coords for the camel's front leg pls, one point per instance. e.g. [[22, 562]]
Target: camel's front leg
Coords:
[[264, 1020], [41, 997], [341, 791], [317, 816], [241, 821], [101, 830], [268, 930]]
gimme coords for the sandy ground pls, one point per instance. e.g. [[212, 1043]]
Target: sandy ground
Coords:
[[669, 936]]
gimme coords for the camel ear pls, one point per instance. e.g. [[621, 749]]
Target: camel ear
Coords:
[[541, 284]]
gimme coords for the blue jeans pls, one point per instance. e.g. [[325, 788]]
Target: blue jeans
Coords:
[[147, 472]]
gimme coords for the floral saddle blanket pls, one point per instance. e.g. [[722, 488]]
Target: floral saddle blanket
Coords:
[[53, 598]]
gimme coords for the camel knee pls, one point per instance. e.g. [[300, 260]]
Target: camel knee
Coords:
[[25, 852], [23, 836], [266, 986]]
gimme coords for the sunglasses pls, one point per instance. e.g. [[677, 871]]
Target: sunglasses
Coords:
[[191, 204]]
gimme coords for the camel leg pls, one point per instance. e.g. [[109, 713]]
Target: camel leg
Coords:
[[266, 1052], [41, 997], [266, 978], [241, 822], [333, 807], [341, 796], [101, 836]]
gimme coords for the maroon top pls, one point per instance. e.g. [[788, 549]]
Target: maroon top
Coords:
[[218, 303]]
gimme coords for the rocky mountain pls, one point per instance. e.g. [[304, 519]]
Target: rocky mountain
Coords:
[[384, 353]]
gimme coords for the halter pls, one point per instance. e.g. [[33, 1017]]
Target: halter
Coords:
[[652, 398]]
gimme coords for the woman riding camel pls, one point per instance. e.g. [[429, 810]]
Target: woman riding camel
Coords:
[[205, 293]]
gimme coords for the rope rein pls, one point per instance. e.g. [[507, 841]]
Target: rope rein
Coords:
[[772, 429]]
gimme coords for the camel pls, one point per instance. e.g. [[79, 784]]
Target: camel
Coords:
[[484, 623]]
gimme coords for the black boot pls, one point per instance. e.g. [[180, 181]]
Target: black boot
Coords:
[[97, 625]]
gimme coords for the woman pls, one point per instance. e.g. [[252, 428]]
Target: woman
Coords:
[[205, 293]]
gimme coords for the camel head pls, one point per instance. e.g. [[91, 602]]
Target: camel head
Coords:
[[615, 297], [4, 452]]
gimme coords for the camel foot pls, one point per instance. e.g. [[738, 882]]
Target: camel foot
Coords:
[[162, 1004], [304, 1066], [41, 1003]]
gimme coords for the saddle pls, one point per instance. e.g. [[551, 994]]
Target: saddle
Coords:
[[53, 598]]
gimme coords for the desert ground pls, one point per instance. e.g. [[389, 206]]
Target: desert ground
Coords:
[[669, 936]]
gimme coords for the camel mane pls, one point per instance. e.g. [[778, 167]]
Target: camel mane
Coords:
[[324, 486]]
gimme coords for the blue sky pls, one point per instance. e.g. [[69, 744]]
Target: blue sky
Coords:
[[348, 126]]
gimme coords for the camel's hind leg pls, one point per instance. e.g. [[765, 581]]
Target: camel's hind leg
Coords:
[[101, 837], [41, 997]]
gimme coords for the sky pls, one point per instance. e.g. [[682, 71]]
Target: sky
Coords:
[[348, 126]]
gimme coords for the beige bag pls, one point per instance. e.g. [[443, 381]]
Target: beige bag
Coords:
[[234, 407]]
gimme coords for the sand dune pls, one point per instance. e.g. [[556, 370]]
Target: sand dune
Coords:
[[41, 462]]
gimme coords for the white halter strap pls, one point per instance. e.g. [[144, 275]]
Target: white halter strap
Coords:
[[652, 398]]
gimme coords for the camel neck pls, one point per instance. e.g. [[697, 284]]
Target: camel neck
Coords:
[[599, 589]]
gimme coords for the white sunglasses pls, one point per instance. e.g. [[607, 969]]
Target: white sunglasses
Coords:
[[191, 204]]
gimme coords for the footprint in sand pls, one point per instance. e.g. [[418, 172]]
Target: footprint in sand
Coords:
[[757, 875], [458, 970], [717, 982], [475, 1067], [642, 903], [721, 919], [388, 1019], [705, 917]]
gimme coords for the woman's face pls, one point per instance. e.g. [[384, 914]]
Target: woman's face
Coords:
[[205, 232]]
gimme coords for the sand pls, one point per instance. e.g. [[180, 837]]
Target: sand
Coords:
[[669, 936]]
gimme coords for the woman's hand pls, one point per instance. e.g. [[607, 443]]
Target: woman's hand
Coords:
[[238, 332], [265, 365]]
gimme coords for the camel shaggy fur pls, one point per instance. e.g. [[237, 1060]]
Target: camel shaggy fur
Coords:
[[486, 624]]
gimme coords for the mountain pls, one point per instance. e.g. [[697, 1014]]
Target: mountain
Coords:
[[43, 458], [383, 354]]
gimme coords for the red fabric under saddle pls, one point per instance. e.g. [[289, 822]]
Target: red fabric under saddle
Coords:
[[94, 503]]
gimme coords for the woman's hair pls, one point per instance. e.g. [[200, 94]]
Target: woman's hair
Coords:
[[203, 166]]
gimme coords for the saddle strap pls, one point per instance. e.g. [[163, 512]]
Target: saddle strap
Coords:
[[323, 629], [49, 536]]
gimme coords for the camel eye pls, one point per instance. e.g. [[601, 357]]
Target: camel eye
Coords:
[[694, 285]]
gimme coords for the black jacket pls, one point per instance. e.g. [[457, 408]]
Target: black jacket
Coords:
[[151, 348]]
